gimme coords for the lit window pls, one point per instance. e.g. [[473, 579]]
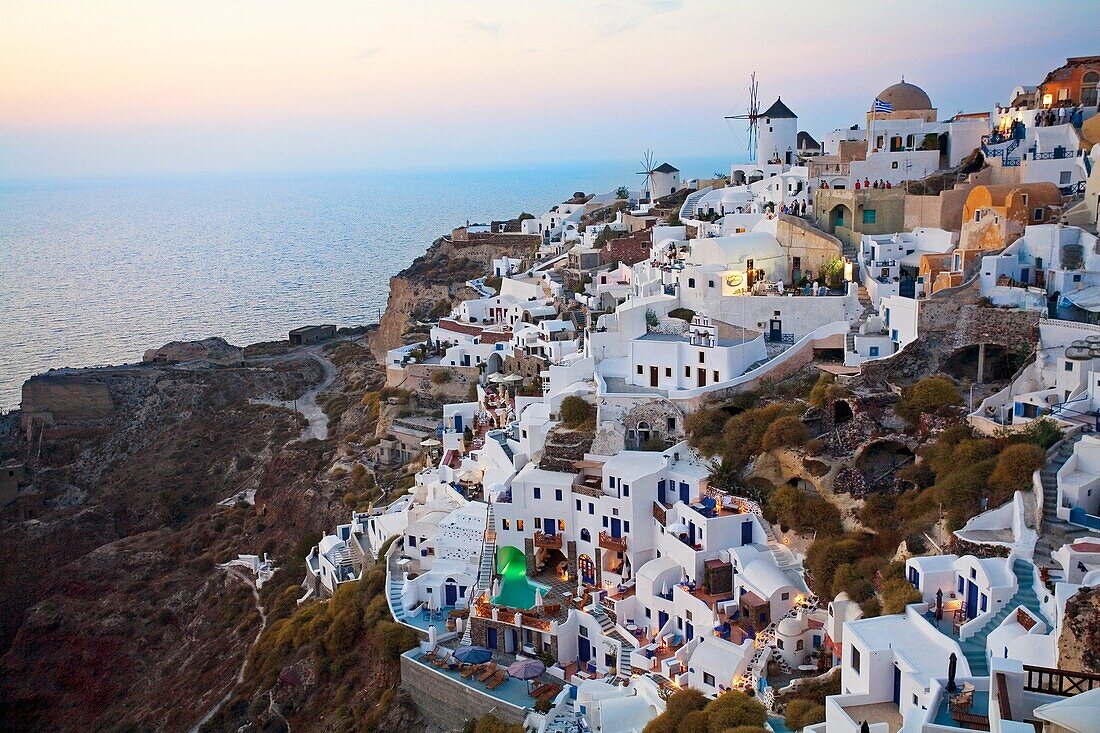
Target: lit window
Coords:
[[519, 525]]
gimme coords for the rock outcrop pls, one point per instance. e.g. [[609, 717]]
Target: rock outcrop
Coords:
[[215, 350]]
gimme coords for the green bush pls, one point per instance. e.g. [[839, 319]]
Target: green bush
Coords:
[[897, 593], [1015, 466], [684, 701], [684, 314], [786, 432], [575, 411], [801, 713], [929, 395], [733, 709]]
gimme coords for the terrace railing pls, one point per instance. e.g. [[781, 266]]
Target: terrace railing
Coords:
[[551, 541], [608, 542], [1059, 682]]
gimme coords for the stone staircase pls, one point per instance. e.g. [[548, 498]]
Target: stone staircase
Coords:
[[485, 570], [974, 647], [687, 211], [396, 607], [626, 644], [1055, 532]]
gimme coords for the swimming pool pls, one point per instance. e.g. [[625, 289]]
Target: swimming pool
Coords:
[[516, 590]]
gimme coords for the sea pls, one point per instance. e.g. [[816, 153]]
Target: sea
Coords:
[[94, 272]]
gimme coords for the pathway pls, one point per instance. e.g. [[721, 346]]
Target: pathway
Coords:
[[974, 648], [307, 405], [240, 673]]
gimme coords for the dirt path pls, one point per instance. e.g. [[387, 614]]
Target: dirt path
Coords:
[[240, 673], [307, 405]]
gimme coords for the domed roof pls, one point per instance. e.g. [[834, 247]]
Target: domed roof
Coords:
[[904, 96], [789, 627]]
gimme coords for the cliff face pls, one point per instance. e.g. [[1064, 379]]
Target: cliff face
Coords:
[[434, 281], [1079, 642], [112, 607]]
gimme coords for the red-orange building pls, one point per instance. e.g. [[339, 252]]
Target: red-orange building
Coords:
[[1071, 84]]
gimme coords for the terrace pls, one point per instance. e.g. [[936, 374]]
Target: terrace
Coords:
[[489, 679]]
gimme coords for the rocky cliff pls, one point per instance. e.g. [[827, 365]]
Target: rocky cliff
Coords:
[[1079, 642], [437, 279], [115, 610]]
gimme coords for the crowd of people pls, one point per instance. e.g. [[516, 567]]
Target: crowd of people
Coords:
[[1060, 116]]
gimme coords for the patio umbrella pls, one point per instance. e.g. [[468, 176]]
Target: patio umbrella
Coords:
[[473, 655], [496, 587], [526, 669], [538, 599], [430, 442], [513, 378], [864, 727], [952, 664], [939, 605], [496, 378]]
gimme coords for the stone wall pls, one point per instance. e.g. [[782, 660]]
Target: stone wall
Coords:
[[813, 246], [418, 378], [448, 703]]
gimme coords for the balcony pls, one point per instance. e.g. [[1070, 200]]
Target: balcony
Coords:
[[660, 513], [548, 541], [615, 544]]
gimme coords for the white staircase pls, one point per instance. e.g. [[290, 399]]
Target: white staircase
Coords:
[[485, 570], [627, 643], [687, 211]]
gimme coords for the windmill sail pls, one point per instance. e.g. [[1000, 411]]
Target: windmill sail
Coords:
[[752, 115]]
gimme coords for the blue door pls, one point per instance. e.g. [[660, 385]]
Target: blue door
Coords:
[[971, 600], [746, 533], [690, 631], [458, 423], [450, 592], [662, 619], [491, 638], [897, 684], [616, 527], [549, 526], [691, 533], [584, 649], [683, 492]]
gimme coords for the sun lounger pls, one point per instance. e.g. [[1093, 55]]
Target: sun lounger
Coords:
[[489, 670], [496, 680], [469, 670], [429, 656]]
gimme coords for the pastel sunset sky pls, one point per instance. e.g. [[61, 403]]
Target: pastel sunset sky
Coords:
[[106, 87]]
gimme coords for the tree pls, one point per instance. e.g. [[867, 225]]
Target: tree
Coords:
[[622, 192], [1015, 466], [575, 411], [525, 216], [897, 593], [696, 721], [801, 713], [833, 272], [732, 709], [930, 395], [651, 319], [684, 701], [786, 432]]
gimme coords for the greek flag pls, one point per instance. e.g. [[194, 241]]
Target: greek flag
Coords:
[[881, 106]]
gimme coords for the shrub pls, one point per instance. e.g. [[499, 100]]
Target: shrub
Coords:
[[733, 709], [684, 701], [825, 391], [897, 593], [651, 319], [440, 376], [684, 314], [493, 724], [574, 411], [696, 721], [801, 713], [704, 429], [786, 432], [871, 607], [929, 395], [1043, 432], [1015, 466]]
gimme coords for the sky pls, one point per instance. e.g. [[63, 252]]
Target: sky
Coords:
[[150, 87]]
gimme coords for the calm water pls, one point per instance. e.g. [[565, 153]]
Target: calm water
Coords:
[[95, 273]]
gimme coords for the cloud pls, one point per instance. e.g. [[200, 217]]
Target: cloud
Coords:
[[622, 16], [479, 26], [365, 53]]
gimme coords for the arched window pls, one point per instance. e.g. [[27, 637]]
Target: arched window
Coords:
[[586, 536], [1088, 88]]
